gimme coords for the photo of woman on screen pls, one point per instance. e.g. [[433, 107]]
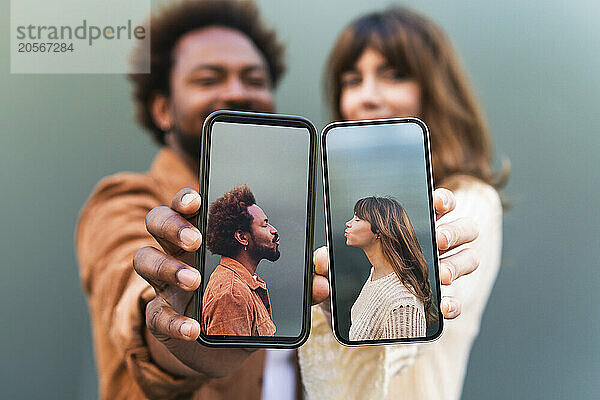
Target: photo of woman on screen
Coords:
[[395, 301]]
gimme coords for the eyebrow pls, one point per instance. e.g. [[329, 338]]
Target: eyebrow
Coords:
[[219, 68], [387, 66], [355, 70]]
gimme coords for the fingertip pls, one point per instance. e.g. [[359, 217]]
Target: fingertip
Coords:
[[445, 276], [324, 255], [438, 202], [191, 238], [190, 330], [317, 255], [189, 279], [444, 200], [450, 308], [320, 289], [443, 239], [186, 201], [444, 308], [453, 309], [321, 261], [195, 330]]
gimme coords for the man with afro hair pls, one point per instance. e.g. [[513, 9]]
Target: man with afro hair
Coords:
[[236, 301]]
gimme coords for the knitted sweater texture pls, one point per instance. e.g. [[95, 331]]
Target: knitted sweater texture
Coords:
[[386, 309]]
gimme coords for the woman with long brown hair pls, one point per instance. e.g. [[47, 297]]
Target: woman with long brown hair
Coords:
[[397, 63], [396, 297]]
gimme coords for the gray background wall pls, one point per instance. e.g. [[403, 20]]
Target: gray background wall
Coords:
[[534, 65]]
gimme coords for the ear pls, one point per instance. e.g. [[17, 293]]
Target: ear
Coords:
[[161, 112], [243, 238]]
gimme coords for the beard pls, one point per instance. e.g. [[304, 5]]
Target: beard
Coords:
[[191, 141], [267, 252]]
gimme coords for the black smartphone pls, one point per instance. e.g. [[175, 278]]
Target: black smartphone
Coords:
[[380, 222], [257, 186]]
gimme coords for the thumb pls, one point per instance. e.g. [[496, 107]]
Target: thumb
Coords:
[[321, 261]]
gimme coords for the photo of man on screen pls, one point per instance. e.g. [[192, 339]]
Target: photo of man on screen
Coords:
[[236, 301]]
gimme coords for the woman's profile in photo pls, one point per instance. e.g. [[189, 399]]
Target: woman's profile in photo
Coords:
[[395, 301]]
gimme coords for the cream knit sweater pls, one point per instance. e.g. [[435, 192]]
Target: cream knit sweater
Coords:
[[435, 370], [386, 309]]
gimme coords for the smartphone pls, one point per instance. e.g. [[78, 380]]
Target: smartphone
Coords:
[[380, 225], [257, 184]]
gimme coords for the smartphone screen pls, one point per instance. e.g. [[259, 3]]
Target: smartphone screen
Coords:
[[257, 188], [381, 232]]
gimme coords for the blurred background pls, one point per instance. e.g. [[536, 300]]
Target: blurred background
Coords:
[[534, 66]]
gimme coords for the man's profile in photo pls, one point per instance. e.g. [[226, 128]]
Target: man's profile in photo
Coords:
[[236, 301]]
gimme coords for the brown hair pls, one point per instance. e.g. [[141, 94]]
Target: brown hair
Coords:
[[418, 48], [174, 21], [399, 244], [226, 215]]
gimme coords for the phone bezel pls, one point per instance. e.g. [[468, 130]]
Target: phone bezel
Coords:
[[328, 228], [252, 118]]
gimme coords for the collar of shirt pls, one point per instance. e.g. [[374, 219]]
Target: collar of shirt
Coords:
[[253, 281]]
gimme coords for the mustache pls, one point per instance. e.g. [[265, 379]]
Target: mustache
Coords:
[[247, 106]]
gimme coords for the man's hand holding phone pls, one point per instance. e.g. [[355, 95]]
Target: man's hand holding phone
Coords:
[[172, 332]]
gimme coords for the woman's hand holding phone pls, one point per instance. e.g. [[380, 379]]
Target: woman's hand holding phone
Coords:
[[448, 237]]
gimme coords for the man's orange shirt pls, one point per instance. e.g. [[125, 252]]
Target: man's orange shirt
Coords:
[[236, 303], [111, 229]]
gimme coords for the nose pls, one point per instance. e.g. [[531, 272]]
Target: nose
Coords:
[[235, 94], [370, 97], [348, 223], [273, 230]]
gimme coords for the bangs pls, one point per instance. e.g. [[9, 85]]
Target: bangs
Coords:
[[383, 209], [392, 33], [384, 33], [370, 209], [362, 206]]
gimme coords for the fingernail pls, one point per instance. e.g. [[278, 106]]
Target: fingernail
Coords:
[[186, 329], [187, 277], [444, 200], [189, 236], [446, 235], [187, 198], [451, 272], [450, 307]]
